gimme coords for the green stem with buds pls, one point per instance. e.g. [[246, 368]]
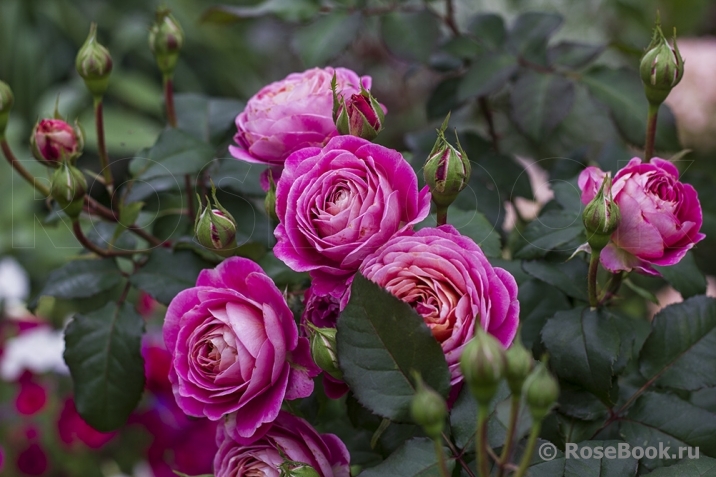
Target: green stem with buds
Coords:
[[101, 145], [442, 215], [483, 413], [40, 187], [529, 450], [593, 269], [511, 427], [442, 465], [651, 119]]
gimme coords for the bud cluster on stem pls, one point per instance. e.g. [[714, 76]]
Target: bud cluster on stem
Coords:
[[359, 115]]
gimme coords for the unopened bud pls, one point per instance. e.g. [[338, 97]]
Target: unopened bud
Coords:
[[447, 170], [6, 102], [323, 350], [519, 364], [428, 408], [94, 64], [662, 66], [483, 365], [270, 200], [601, 216], [541, 391], [215, 227], [360, 115], [166, 38], [68, 188], [54, 141]]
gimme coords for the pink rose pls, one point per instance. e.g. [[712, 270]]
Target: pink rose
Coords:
[[338, 204], [54, 139], [289, 435], [235, 348], [291, 114], [446, 278], [660, 216]]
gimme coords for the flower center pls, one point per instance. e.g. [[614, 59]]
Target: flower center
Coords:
[[214, 354]]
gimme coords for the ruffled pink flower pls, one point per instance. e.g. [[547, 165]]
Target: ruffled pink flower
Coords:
[[660, 216], [446, 278], [290, 438], [291, 114], [54, 139], [235, 348], [338, 204]]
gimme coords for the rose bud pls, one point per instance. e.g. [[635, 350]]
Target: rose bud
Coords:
[[270, 200], [483, 365], [428, 408], [447, 170], [541, 391], [601, 216], [323, 350], [519, 364], [54, 141], [216, 228], [166, 38], [6, 102], [68, 188], [661, 68], [361, 115], [94, 64]]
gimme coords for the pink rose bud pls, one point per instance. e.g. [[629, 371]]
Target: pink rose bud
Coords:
[[447, 170], [661, 67], [54, 141], [216, 228], [361, 115]]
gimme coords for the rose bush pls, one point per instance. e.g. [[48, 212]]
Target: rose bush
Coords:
[[236, 348], [447, 279], [338, 204], [661, 217]]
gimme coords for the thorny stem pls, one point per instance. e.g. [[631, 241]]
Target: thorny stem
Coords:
[[40, 187]]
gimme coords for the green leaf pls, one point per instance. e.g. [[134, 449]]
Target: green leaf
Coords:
[[685, 276], [531, 32], [129, 213], [539, 102], [415, 458], [680, 352], [573, 55], [82, 279], [174, 154], [642, 292], [666, 419], [573, 466], [538, 302], [569, 277], [622, 92], [206, 119], [444, 99], [489, 29], [548, 232], [288, 10], [380, 340], [701, 467], [103, 352], [463, 417], [325, 38], [410, 35], [471, 224], [583, 346], [488, 73], [166, 273]]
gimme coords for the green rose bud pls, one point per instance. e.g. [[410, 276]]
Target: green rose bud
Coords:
[[447, 170], [215, 227], [270, 200], [601, 216], [541, 391], [166, 38], [94, 64], [6, 102], [360, 115], [428, 408], [483, 365], [519, 364], [68, 188], [661, 68], [323, 350]]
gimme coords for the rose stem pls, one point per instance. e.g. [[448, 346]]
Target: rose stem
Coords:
[[442, 215], [593, 268], [511, 427], [650, 131], [481, 441], [86, 243], [101, 145], [40, 187], [531, 444], [615, 282], [441, 458]]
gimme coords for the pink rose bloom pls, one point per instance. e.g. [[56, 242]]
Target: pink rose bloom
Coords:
[[338, 204], [291, 114], [446, 278], [660, 216], [235, 348], [53, 139], [289, 435]]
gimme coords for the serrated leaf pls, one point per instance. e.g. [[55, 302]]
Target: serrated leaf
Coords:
[[175, 153], [583, 346], [166, 273], [548, 232], [539, 102], [489, 29], [685, 276], [680, 352], [415, 458], [410, 35], [380, 340], [82, 279], [569, 277], [471, 224], [488, 73], [205, 118], [573, 55], [288, 10], [538, 302], [531, 32], [325, 38], [103, 352]]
